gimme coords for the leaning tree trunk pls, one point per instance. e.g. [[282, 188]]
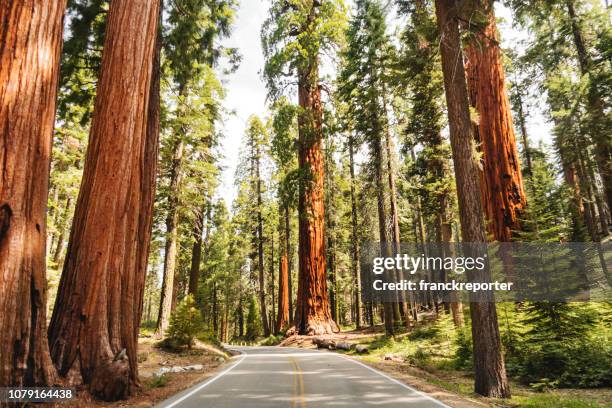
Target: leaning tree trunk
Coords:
[[489, 368], [312, 315], [503, 194], [94, 329], [30, 39]]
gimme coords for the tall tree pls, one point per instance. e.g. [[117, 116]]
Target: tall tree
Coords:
[[489, 367], [362, 87], [503, 193], [191, 49], [31, 41], [94, 328], [425, 122], [256, 138], [293, 37]]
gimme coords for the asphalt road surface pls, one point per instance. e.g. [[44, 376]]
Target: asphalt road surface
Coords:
[[275, 377]]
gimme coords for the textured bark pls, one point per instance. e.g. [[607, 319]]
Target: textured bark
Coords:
[[30, 46], [503, 193], [94, 329], [355, 238], [282, 319], [312, 315], [489, 368]]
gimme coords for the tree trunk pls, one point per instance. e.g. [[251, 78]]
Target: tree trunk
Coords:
[[99, 303], [260, 252], [169, 276], [196, 253], [312, 314], [355, 238], [62, 236], [288, 253], [273, 302], [283, 294], [395, 229], [30, 39], [503, 194], [489, 368]]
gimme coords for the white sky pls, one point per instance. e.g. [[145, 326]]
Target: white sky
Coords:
[[246, 92]]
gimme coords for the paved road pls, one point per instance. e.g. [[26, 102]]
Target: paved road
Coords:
[[275, 377]]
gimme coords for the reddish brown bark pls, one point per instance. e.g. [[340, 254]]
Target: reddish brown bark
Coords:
[[94, 329], [30, 46], [312, 314], [283, 294], [503, 193], [489, 368]]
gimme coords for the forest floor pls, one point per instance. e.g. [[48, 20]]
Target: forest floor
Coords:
[[156, 388], [421, 359]]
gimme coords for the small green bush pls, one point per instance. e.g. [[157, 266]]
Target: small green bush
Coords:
[[157, 381], [185, 323]]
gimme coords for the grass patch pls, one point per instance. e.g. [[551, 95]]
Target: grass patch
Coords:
[[553, 401], [157, 382]]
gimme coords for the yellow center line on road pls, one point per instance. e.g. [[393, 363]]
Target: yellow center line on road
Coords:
[[298, 386]]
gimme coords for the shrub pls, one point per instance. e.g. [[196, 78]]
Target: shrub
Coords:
[[185, 323]]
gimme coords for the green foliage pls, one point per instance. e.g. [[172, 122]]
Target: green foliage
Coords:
[[157, 381], [253, 323], [185, 323], [293, 37]]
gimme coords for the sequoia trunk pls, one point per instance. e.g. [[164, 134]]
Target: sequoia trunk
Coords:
[[312, 315], [30, 46], [489, 368], [283, 294], [503, 194], [94, 329]]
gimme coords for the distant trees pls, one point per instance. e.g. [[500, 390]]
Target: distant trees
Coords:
[[29, 71], [99, 303]]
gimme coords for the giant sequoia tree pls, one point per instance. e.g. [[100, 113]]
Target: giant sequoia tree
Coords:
[[94, 328], [30, 44], [293, 37], [503, 194], [489, 368]]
